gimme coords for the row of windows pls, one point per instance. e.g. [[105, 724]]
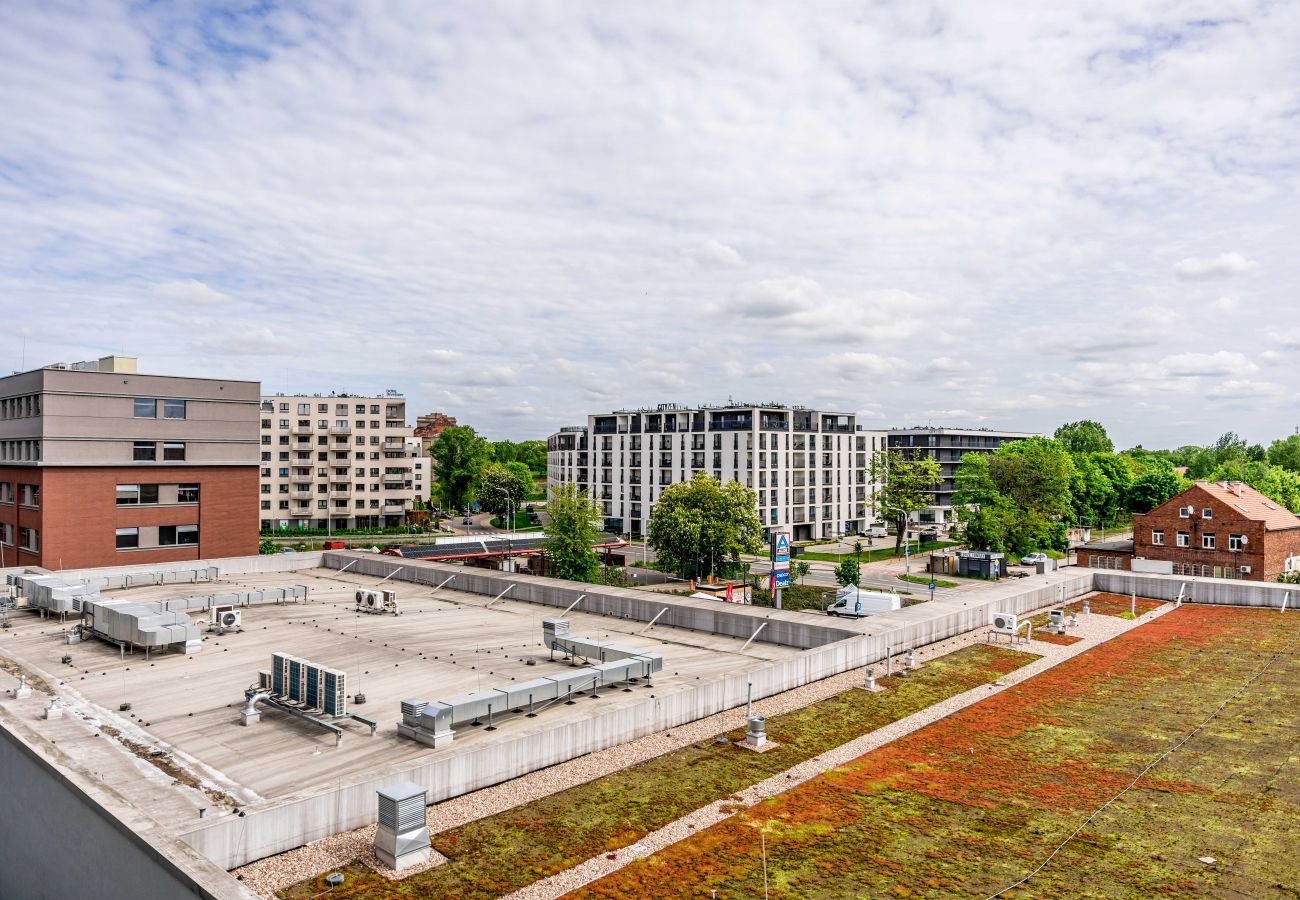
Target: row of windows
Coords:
[[147, 451], [28, 538], [339, 470], [321, 504], [20, 407], [168, 536], [146, 494], [1185, 512], [147, 408], [341, 455], [323, 440], [340, 409], [1236, 542], [28, 494], [20, 451]]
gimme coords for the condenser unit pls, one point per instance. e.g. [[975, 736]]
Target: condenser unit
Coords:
[[1243, 570], [225, 618], [1004, 623]]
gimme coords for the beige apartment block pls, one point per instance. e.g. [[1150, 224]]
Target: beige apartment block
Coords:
[[338, 461]]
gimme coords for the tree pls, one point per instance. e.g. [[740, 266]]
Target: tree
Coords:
[[1286, 453], [907, 485], [699, 525], [459, 456], [1153, 487], [572, 529], [502, 488], [1014, 499], [848, 573], [533, 455], [800, 569], [1084, 436]]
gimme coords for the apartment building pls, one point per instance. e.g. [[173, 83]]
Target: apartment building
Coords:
[[338, 461], [947, 446], [102, 466], [808, 468]]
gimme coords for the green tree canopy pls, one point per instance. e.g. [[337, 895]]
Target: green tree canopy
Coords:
[[700, 526], [848, 572], [1153, 487], [907, 485], [1035, 475], [459, 455], [503, 487], [572, 529], [1085, 436], [1286, 453], [531, 454]]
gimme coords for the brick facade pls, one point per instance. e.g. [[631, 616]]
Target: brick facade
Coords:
[[78, 514], [1265, 550]]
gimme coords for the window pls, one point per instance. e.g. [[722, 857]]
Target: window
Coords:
[[1158, 538], [128, 538], [173, 450], [6, 492], [1207, 541], [266, 440], [6, 533], [1184, 512], [135, 494], [266, 423], [173, 409], [1207, 513], [266, 504], [284, 423], [1184, 539], [29, 539], [29, 495], [1237, 542], [304, 409], [187, 493], [284, 472], [266, 489], [145, 408], [177, 535], [144, 451]]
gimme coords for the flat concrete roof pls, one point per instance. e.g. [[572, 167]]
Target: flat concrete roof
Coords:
[[444, 644]]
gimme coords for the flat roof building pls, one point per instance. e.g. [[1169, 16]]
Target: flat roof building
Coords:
[[808, 468], [103, 466], [947, 446], [338, 461]]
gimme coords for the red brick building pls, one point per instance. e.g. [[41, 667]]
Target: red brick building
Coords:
[[1220, 530], [102, 466]]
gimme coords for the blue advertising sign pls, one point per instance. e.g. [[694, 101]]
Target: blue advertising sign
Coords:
[[781, 548], [781, 578]]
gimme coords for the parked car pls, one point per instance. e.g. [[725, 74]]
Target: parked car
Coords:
[[1033, 559], [467, 521], [876, 531]]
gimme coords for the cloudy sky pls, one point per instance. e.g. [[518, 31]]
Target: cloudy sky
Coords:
[[989, 213]]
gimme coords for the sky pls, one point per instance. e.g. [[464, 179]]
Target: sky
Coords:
[[992, 214]]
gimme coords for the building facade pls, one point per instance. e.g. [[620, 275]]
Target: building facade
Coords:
[[947, 446], [338, 461], [429, 426], [1220, 529], [103, 466], [808, 468]]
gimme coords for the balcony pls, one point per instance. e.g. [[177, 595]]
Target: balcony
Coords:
[[302, 479], [301, 495], [340, 495], [341, 429], [390, 446], [396, 479], [393, 509], [300, 513], [300, 429]]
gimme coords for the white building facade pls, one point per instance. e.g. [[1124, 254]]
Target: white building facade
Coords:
[[809, 469], [338, 461]]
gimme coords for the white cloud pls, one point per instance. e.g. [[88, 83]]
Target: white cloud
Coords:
[[716, 253], [665, 212], [1210, 268], [1222, 363], [1227, 303], [188, 292]]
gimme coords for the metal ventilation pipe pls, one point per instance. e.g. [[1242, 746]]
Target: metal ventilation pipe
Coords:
[[249, 714]]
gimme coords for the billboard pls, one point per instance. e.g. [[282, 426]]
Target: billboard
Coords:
[[781, 578]]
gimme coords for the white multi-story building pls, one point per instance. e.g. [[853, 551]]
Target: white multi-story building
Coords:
[[338, 461], [809, 469]]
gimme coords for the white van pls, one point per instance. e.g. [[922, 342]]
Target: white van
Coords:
[[876, 531], [855, 602]]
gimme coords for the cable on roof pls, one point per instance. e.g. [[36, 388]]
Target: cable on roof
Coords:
[[1151, 765]]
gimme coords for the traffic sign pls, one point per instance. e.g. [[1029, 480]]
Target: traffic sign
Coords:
[[932, 585]]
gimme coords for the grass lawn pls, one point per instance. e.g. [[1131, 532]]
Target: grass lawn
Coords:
[[875, 554], [973, 803], [504, 852], [521, 521], [925, 580]]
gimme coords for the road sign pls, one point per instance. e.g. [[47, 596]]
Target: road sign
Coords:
[[933, 585]]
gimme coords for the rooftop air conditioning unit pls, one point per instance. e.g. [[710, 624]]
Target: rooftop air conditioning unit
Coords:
[[1243, 570], [1004, 623], [225, 618]]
